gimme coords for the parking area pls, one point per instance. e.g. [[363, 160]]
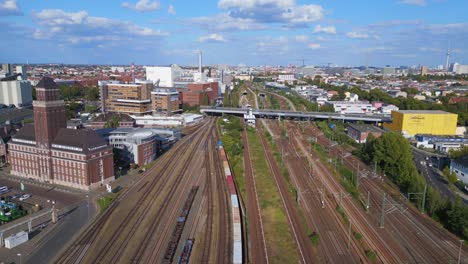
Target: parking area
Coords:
[[44, 196]]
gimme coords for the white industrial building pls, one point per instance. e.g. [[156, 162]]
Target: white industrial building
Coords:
[[164, 76], [346, 107], [16, 89], [167, 121], [460, 68]]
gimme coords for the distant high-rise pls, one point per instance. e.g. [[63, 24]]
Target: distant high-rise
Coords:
[[7, 69], [423, 71], [448, 60]]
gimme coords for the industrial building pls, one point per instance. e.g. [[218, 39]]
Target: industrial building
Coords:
[[49, 152], [121, 120], [15, 89], [360, 132], [346, 107], [165, 101], [460, 168], [164, 76], [432, 122]]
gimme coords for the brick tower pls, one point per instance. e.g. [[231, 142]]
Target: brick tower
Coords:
[[49, 118]]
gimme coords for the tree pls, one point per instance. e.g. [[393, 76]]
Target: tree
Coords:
[[90, 108], [458, 153], [327, 108], [91, 93], [113, 122]]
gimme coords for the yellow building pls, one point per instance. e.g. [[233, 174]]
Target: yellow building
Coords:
[[432, 122]]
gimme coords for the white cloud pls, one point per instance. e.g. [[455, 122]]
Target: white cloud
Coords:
[[78, 27], [212, 38], [314, 46], [302, 38], [326, 30], [142, 6], [357, 35], [171, 10], [224, 22], [9, 8], [271, 11], [413, 2]]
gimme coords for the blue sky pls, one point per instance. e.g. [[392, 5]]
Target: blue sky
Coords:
[[251, 32]]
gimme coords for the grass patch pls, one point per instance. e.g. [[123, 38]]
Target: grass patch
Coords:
[[278, 235], [314, 238], [371, 255], [342, 213], [106, 201]]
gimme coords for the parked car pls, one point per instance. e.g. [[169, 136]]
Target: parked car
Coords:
[[24, 197]]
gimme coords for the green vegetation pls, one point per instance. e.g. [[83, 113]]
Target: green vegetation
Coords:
[[273, 101], [106, 201], [113, 122], [314, 238], [392, 154], [74, 92], [232, 143], [458, 153], [231, 99], [371, 255], [337, 133], [90, 109], [28, 121], [190, 109], [278, 236]]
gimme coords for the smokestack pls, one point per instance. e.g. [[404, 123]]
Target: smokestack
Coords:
[[133, 72], [200, 61]]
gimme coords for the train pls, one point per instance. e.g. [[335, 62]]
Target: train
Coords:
[[174, 240], [237, 254]]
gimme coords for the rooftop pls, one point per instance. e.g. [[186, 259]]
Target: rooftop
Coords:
[[424, 112], [47, 83], [9, 114], [366, 128], [108, 116], [84, 139]]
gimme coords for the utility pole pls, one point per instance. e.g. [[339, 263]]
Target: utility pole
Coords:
[[349, 235], [357, 177], [459, 251], [368, 201], [423, 202], [382, 217], [341, 199]]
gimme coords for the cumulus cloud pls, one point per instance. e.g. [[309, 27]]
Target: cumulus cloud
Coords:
[[313, 46], [142, 6], [79, 26], [413, 2], [357, 35], [327, 30], [224, 22], [302, 38], [9, 8], [171, 10], [270, 11], [212, 38]]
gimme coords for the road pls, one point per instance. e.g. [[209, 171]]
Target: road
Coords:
[[433, 177]]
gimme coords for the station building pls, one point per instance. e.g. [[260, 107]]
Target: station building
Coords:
[[431, 122], [47, 151]]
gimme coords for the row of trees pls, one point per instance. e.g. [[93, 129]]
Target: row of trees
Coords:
[[392, 154], [69, 92]]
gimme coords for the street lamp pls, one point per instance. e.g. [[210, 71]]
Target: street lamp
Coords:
[[87, 198], [19, 255]]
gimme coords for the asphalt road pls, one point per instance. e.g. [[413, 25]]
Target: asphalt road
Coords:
[[432, 176]]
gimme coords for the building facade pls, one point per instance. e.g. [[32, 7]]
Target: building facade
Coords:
[[460, 168], [127, 98], [360, 132], [49, 152], [432, 122], [164, 76], [165, 101], [16, 92], [346, 107]]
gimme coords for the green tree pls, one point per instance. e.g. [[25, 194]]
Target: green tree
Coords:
[[91, 93], [90, 108], [113, 122]]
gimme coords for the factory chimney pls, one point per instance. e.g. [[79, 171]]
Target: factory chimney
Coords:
[[200, 61]]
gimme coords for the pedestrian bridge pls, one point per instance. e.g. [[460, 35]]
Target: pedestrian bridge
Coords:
[[286, 114]]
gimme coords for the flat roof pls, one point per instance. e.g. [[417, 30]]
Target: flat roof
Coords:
[[366, 128], [423, 112]]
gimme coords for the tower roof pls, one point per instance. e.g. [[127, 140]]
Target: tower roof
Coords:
[[47, 83]]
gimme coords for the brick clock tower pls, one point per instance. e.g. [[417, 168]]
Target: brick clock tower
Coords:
[[49, 118]]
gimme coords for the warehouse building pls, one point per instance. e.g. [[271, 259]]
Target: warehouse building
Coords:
[[460, 168], [360, 132], [431, 122]]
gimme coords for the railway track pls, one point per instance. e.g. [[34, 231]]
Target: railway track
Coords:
[[258, 250], [332, 232], [78, 253], [417, 238], [300, 236]]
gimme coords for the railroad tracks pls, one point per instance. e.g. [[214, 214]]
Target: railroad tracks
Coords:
[[409, 236], [151, 197]]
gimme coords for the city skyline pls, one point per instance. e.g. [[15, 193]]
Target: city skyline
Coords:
[[254, 32]]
